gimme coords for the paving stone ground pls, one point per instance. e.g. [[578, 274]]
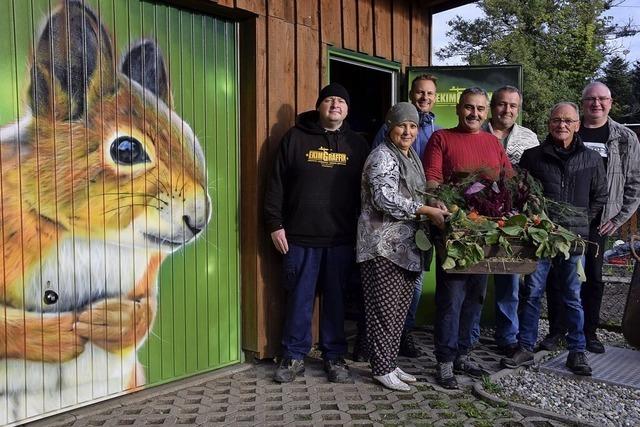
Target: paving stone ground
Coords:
[[247, 396]]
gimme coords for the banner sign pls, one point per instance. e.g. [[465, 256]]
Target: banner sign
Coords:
[[452, 80]]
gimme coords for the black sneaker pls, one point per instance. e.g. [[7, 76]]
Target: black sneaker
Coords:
[[408, 346], [521, 357], [338, 371], [288, 369], [551, 342], [594, 345], [464, 365], [445, 377], [577, 362], [508, 350]]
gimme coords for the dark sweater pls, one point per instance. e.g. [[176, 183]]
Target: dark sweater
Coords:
[[575, 176], [314, 188]]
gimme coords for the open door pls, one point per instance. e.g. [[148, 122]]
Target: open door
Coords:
[[372, 86]]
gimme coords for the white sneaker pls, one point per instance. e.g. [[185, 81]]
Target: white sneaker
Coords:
[[403, 376], [391, 381]]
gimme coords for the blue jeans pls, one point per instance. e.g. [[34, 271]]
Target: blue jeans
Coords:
[[410, 321], [569, 285], [459, 299], [305, 270], [506, 288]]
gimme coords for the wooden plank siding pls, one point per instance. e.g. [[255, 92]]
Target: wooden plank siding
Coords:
[[331, 22], [365, 26], [420, 34], [382, 25], [282, 9], [283, 63], [307, 13], [350, 24]]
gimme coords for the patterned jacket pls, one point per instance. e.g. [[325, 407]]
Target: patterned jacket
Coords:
[[520, 138], [387, 223], [623, 174]]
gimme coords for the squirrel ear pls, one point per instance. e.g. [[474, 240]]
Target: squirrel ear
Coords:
[[145, 65], [74, 66]]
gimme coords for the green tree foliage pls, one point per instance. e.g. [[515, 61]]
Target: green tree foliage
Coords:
[[618, 78], [635, 77], [635, 87], [560, 43]]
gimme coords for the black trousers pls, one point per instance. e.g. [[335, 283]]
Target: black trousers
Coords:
[[591, 293]]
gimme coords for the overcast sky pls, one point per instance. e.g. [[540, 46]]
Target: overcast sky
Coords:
[[621, 13]]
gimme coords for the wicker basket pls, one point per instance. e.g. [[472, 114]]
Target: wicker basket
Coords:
[[497, 261]]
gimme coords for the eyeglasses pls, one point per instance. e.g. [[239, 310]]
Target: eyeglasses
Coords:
[[592, 99], [558, 121]]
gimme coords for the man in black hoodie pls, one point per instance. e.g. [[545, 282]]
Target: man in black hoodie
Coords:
[[312, 204], [570, 174]]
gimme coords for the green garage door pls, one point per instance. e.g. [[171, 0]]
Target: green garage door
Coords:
[[119, 223]]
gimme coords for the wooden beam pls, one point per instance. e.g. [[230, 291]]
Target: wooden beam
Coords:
[[253, 136]]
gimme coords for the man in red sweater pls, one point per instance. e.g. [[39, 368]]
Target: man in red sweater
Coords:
[[452, 153]]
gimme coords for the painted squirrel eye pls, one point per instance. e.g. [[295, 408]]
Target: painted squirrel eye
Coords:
[[126, 150]]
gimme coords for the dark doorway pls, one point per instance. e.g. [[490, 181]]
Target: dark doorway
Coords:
[[372, 91]]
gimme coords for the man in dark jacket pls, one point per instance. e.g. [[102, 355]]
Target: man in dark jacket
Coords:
[[312, 204], [570, 174]]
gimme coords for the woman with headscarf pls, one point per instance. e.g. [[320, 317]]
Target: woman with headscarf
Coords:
[[393, 201]]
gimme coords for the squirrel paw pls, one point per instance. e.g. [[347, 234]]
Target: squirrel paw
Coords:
[[47, 338], [115, 324]]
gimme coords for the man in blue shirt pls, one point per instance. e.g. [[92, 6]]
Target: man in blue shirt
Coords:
[[423, 96]]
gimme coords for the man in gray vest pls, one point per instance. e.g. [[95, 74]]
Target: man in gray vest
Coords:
[[505, 106]]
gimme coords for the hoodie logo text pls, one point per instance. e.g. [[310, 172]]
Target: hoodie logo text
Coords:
[[326, 158]]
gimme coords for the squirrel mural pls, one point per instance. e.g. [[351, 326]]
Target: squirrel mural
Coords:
[[99, 182]]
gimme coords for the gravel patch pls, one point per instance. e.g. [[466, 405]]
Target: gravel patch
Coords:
[[589, 401], [612, 338], [607, 337]]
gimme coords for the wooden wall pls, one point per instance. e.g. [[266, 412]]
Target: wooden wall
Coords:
[[283, 54]]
